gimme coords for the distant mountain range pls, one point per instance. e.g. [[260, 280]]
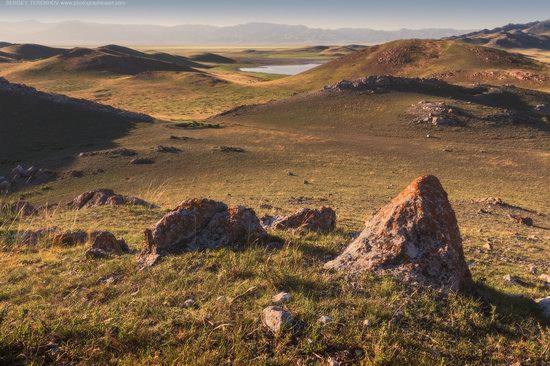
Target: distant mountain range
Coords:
[[529, 35], [73, 33]]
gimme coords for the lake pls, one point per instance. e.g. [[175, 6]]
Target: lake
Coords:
[[280, 69]]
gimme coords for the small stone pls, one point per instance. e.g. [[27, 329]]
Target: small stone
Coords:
[[532, 269], [367, 323], [488, 246], [331, 361], [290, 174], [276, 319], [324, 320], [546, 279], [513, 279], [306, 182], [189, 303], [281, 298], [140, 161], [527, 221]]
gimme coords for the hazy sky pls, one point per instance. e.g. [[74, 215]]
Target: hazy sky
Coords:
[[377, 14]]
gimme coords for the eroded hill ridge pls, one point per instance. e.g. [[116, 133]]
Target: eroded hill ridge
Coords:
[[26, 90]]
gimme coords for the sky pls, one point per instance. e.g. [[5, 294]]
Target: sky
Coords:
[[375, 14]]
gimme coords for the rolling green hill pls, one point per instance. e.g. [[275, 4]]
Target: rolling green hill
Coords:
[[445, 59]]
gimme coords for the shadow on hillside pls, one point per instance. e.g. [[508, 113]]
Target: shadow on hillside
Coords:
[[506, 305], [50, 135]]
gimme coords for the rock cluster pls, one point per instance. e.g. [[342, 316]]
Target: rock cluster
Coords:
[[380, 82], [322, 220], [113, 153], [102, 197], [198, 224], [415, 238], [22, 89], [229, 149], [435, 113], [167, 149], [20, 177]]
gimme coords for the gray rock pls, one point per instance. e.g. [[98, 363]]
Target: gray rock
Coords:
[[281, 298], [276, 319], [324, 320], [189, 303]]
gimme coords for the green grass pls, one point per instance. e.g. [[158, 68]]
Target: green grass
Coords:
[[140, 318]]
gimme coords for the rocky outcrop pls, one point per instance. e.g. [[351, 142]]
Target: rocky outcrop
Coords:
[[167, 149], [20, 177], [375, 83], [322, 220], [435, 113], [415, 238], [22, 89], [198, 224], [103, 197], [105, 244]]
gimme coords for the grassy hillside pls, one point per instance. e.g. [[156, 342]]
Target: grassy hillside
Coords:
[[422, 58], [33, 129]]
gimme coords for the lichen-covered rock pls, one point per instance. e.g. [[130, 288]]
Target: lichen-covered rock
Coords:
[[102, 197], [415, 238], [322, 220], [198, 224], [104, 244]]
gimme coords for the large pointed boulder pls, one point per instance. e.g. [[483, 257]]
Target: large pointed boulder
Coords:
[[198, 224], [415, 238]]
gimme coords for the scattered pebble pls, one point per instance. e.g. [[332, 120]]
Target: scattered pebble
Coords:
[[281, 298], [189, 303], [324, 320]]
